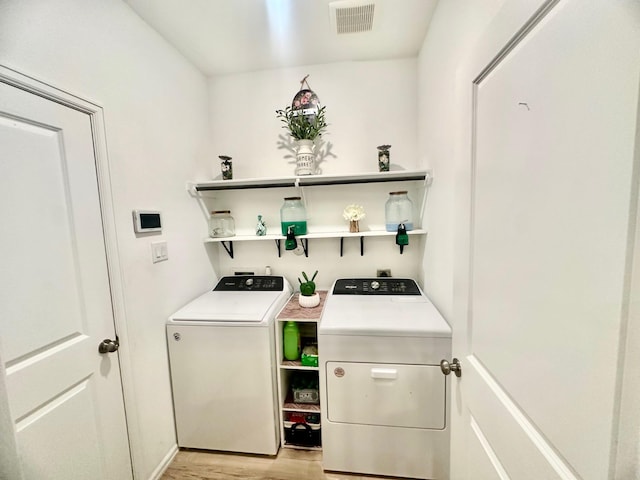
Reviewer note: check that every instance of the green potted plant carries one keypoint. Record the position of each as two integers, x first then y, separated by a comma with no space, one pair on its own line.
305,128
308,297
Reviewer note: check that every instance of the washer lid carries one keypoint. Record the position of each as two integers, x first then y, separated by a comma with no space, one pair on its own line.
389,315
221,306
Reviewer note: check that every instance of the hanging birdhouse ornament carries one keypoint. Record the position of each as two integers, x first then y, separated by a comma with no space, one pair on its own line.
306,102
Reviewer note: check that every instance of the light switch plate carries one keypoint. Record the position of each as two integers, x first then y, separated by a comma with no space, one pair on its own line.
159,252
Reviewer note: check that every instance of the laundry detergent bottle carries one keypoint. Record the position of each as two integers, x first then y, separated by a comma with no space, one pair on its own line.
291,337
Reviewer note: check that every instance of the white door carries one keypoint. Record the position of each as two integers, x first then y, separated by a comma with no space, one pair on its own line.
549,245
64,397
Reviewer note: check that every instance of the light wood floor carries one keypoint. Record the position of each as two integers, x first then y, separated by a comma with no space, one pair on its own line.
290,464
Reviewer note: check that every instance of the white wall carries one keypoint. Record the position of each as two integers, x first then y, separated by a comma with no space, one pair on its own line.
156,115
367,104
454,28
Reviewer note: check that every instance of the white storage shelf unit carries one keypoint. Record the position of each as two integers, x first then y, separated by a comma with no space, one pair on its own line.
307,320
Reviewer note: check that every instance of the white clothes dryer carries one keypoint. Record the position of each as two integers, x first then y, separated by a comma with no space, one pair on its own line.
222,358
385,399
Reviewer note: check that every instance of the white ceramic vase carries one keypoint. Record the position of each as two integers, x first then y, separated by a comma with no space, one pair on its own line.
309,301
305,158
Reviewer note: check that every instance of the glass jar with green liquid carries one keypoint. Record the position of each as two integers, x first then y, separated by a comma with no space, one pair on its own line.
293,214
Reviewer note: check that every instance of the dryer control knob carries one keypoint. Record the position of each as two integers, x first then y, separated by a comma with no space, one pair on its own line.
375,285
249,282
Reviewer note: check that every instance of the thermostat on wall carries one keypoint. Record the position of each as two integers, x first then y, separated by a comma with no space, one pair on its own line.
147,221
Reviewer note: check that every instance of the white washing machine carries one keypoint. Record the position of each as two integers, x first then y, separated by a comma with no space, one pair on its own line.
385,399
222,357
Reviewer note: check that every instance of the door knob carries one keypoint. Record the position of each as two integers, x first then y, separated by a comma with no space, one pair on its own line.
454,366
108,345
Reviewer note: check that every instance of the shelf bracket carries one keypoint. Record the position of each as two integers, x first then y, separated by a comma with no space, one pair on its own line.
191,189
229,247
361,246
278,247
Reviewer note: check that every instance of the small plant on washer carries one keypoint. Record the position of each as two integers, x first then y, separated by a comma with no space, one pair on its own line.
307,288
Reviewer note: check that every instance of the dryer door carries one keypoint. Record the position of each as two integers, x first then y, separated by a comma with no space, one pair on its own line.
393,395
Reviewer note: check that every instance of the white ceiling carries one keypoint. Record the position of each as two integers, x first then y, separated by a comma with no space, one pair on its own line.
232,36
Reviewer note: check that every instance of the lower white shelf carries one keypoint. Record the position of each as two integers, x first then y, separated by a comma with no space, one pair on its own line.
227,242
341,234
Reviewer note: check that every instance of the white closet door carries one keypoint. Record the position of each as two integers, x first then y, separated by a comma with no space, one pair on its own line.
64,397
552,205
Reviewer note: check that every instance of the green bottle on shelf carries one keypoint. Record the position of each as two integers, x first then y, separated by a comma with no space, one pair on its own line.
291,341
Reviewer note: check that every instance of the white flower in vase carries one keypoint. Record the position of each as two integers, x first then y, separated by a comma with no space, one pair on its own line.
353,213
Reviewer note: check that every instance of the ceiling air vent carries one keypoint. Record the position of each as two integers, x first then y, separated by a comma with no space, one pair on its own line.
352,16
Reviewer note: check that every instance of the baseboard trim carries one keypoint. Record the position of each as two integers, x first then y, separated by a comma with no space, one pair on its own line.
164,464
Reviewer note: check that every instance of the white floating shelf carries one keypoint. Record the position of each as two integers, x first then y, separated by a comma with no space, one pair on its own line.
312,180
309,181
227,242
341,234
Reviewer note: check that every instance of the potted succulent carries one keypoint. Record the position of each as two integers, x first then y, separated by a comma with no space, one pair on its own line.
308,297
304,128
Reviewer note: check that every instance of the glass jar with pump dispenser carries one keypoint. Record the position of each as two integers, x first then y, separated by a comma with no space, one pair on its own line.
221,224
293,214
397,210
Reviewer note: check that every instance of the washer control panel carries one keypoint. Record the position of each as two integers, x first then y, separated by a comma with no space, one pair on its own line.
375,286
241,283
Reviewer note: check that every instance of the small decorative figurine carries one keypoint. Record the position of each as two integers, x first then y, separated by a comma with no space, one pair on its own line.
226,167
261,227
383,158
